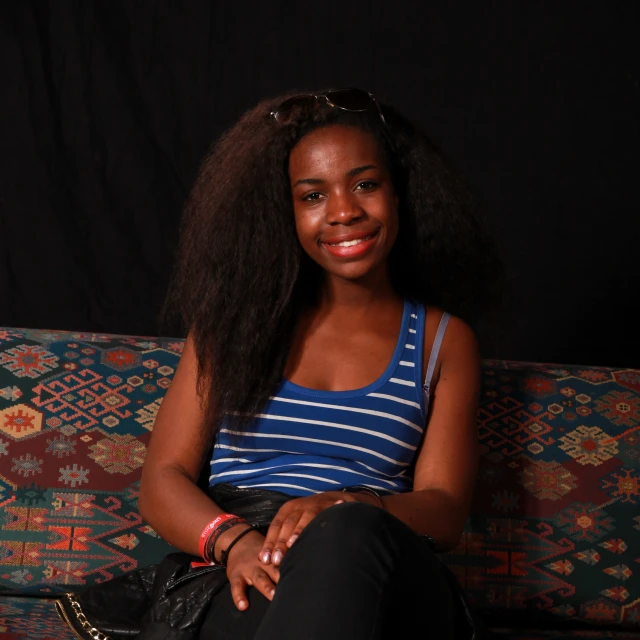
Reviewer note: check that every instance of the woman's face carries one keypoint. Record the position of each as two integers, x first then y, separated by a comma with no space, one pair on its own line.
346,209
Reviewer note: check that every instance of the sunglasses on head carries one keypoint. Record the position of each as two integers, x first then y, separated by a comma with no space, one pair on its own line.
355,100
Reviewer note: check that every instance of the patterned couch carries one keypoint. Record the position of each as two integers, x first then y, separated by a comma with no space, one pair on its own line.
551,550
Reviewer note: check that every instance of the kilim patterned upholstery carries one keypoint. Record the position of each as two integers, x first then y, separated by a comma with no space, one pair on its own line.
554,532
553,541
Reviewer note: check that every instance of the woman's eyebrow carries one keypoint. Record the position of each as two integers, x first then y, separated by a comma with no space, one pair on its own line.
357,170
308,181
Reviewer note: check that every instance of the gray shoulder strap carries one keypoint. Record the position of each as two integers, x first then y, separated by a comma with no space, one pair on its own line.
436,348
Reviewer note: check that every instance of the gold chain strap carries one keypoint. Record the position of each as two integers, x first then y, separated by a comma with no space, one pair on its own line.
82,619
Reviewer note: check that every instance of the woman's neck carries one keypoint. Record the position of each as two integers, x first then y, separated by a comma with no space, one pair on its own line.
339,296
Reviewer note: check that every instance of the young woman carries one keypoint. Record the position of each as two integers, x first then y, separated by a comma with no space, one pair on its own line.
330,267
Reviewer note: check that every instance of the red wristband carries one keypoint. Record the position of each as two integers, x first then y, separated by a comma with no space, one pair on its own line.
206,532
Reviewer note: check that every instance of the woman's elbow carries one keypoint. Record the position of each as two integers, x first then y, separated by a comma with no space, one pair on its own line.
449,542
142,505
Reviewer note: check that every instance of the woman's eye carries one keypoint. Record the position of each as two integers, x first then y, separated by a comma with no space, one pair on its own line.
312,196
367,184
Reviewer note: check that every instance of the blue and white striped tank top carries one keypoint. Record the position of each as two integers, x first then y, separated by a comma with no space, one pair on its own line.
307,441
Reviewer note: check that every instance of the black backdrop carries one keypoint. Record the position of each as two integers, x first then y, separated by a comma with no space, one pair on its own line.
108,107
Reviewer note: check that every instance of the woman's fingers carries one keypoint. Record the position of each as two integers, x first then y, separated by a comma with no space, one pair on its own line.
271,550
264,584
260,580
306,518
244,569
289,522
239,592
272,571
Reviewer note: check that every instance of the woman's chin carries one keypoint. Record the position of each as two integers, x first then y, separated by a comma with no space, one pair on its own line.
357,271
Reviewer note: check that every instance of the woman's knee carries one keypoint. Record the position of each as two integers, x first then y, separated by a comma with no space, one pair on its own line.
361,538
353,525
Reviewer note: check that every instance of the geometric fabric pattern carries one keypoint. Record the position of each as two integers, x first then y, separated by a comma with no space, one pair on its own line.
76,412
554,529
31,619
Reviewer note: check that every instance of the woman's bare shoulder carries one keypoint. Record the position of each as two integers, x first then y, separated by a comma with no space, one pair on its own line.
459,341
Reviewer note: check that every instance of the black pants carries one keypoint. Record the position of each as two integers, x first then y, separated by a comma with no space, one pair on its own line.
356,572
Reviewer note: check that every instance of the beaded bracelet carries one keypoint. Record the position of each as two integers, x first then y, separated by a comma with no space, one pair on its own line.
224,555
216,533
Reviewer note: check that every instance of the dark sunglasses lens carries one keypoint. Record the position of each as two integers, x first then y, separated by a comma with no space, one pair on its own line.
283,113
350,99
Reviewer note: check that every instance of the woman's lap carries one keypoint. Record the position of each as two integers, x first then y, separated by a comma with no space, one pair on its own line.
355,572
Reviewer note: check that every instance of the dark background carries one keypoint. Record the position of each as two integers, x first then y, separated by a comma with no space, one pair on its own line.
108,107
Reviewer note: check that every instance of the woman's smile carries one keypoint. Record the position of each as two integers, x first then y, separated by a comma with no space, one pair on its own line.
351,245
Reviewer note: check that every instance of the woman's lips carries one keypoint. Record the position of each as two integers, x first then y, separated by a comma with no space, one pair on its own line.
361,246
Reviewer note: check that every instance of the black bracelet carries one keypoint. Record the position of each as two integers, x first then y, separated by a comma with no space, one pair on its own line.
210,544
225,554
364,489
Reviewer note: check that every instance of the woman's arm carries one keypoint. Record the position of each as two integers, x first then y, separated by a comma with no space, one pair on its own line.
170,500
447,462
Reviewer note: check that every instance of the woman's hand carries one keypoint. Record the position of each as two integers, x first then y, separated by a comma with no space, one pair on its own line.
293,517
244,569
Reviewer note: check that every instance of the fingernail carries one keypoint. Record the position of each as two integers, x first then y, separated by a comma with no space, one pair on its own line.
265,557
242,604
292,539
339,501
277,557
273,592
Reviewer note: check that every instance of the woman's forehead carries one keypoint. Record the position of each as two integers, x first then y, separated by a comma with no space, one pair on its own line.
332,145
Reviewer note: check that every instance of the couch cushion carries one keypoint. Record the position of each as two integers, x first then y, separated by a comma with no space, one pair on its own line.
555,522
31,619
554,528
76,411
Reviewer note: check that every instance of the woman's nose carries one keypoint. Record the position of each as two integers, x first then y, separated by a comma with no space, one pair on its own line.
342,208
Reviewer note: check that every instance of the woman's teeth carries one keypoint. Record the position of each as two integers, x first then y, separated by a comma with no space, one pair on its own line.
351,243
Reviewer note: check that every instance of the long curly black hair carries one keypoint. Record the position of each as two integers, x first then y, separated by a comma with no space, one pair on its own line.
241,277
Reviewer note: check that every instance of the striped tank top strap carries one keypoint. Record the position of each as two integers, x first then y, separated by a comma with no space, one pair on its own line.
436,349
